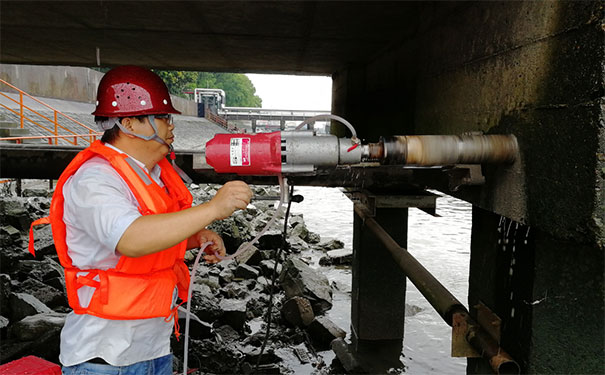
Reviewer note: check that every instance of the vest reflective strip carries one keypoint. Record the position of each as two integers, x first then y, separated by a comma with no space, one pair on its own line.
137,168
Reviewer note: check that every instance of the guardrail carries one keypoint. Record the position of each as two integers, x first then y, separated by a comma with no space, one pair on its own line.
54,137
54,123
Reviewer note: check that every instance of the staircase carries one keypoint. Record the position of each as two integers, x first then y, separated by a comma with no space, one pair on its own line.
20,123
11,129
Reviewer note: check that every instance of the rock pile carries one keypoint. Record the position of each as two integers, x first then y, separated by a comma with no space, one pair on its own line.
229,303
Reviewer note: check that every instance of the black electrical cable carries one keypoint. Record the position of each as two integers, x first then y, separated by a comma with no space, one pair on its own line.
272,292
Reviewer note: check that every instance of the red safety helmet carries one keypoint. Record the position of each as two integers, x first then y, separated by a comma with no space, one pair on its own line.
132,91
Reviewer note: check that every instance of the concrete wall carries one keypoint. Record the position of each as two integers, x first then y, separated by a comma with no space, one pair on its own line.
67,83
533,69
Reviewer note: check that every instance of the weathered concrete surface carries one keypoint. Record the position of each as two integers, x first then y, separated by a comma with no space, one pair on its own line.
534,70
67,83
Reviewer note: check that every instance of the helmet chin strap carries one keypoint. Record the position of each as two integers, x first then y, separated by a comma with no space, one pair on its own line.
157,138
154,136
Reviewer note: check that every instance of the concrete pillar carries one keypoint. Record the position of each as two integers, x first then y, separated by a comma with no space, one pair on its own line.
378,301
253,126
547,291
282,124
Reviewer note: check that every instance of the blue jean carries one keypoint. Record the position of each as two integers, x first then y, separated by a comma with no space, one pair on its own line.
158,366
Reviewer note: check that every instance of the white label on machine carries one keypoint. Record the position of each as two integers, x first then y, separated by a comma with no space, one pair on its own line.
240,152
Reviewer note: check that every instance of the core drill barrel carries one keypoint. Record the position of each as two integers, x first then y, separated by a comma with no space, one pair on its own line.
432,150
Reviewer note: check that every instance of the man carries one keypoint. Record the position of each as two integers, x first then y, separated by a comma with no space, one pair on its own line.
122,220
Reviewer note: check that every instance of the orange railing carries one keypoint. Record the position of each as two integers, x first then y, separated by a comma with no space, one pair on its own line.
89,137
53,137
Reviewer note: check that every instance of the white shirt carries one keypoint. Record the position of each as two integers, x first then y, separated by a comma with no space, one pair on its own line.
98,209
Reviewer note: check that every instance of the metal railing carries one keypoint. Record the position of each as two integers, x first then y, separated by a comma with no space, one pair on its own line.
54,128
249,113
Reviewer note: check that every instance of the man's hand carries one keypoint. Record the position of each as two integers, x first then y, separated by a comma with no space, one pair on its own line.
234,195
217,246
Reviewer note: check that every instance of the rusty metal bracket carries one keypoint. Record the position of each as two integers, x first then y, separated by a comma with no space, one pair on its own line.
488,321
465,175
422,200
460,346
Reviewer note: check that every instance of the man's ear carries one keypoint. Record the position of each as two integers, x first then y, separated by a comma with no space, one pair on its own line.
128,123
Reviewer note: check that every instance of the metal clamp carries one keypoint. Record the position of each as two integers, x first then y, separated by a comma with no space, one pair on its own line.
465,175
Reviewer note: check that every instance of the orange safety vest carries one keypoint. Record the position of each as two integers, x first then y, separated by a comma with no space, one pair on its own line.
137,288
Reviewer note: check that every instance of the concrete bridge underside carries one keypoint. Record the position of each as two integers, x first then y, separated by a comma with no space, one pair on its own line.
533,69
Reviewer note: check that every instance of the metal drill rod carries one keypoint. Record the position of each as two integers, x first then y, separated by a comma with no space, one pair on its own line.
441,299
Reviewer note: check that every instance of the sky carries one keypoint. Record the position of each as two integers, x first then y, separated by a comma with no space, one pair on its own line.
293,92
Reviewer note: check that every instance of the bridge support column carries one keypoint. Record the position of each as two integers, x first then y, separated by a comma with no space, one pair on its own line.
253,126
282,124
378,301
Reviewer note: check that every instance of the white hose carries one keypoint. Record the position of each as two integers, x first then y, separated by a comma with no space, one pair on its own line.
197,260
283,192
329,117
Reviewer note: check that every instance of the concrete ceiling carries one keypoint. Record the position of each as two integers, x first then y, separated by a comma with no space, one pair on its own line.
305,37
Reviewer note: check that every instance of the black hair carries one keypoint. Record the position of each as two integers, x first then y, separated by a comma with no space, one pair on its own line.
112,134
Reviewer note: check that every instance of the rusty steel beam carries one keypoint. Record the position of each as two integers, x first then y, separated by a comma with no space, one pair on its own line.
448,306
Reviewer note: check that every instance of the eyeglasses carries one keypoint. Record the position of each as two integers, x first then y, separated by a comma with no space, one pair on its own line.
168,118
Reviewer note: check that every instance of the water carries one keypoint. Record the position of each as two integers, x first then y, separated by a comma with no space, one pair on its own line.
441,244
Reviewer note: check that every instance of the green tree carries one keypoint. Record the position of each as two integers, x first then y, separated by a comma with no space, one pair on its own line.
177,81
239,90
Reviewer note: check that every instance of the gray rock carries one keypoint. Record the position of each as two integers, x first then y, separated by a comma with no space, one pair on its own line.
204,304
263,285
300,231
226,334
202,290
212,281
10,231
23,305
323,331
43,241
244,271
313,238
3,322
337,257
251,256
48,295
35,326
235,290
298,279
57,283
53,269
226,276
298,311
234,313
252,354
411,310
14,213
345,356
267,267
272,240
5,292
198,329
39,192
330,245
296,219
45,346
297,244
